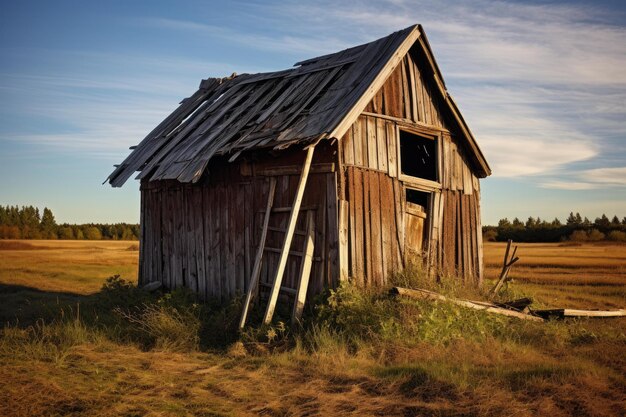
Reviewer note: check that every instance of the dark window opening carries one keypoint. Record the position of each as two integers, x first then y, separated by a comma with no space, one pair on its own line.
418,156
417,197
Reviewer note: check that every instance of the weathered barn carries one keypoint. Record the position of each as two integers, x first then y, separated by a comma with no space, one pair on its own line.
346,166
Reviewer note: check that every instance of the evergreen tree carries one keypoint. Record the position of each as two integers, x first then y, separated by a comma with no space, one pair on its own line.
504,223
602,221
615,221
48,224
571,219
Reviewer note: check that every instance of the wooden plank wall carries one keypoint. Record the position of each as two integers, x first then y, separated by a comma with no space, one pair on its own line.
204,236
368,155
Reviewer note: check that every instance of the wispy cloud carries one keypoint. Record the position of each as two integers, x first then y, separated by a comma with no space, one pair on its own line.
319,43
591,179
541,85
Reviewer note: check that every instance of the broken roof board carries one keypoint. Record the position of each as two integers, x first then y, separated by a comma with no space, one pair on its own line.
317,100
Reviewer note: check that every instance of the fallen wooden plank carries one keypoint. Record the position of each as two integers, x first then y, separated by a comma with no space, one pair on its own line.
483,306
569,312
519,304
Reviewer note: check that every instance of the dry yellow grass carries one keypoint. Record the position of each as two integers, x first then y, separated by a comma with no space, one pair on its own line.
556,369
67,266
583,276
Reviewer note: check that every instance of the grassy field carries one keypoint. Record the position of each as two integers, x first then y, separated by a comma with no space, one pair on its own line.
120,352
566,275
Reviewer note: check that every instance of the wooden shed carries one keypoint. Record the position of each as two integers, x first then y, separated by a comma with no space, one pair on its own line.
346,166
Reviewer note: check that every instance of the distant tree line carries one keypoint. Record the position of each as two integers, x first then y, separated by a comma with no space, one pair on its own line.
27,222
575,228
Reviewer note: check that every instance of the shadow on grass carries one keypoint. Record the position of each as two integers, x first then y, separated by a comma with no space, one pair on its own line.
24,305
124,313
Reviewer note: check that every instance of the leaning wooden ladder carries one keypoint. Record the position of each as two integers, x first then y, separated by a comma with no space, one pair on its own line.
307,253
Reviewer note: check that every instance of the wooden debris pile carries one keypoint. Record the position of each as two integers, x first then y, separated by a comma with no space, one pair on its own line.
518,308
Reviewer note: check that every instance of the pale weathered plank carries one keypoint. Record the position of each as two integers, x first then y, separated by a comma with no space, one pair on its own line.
305,269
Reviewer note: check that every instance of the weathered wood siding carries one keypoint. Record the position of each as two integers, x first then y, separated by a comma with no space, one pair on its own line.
205,236
369,181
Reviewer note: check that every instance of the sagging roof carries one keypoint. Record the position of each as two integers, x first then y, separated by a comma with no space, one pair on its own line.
318,99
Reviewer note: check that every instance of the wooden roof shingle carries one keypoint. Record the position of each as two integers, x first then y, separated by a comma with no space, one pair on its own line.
318,99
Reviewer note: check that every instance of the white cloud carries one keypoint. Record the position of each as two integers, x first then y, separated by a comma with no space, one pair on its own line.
320,43
541,86
567,185
591,179
607,176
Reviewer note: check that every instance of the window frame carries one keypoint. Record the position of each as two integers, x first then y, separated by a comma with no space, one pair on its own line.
420,184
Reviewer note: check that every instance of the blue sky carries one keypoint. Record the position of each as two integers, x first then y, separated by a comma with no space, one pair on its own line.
541,84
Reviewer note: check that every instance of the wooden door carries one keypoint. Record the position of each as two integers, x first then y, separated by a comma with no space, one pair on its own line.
414,228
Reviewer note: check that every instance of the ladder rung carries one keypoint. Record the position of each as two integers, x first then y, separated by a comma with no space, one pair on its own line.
284,289
291,252
288,209
281,230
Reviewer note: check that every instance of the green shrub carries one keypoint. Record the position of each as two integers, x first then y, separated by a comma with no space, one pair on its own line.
579,236
617,236
595,235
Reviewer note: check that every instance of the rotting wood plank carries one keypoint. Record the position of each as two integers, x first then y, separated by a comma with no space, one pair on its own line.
367,229
569,312
479,237
321,168
376,240
359,227
386,227
332,235
381,140
392,151
343,240
357,142
351,224
421,294
399,213
269,313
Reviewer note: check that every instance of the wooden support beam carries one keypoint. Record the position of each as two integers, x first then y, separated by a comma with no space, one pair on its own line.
305,268
343,240
323,168
291,227
259,254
